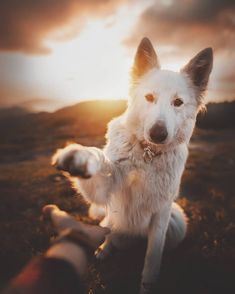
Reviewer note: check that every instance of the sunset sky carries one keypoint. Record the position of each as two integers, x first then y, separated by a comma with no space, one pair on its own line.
59,52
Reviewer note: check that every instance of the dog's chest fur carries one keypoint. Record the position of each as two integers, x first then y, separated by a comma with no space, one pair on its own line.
142,187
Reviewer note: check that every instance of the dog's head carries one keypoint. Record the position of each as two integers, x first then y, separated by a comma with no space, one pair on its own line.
163,104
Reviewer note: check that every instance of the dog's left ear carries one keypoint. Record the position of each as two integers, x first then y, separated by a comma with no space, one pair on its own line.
145,59
199,68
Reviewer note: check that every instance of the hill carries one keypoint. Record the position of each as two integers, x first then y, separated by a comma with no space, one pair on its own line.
217,116
43,132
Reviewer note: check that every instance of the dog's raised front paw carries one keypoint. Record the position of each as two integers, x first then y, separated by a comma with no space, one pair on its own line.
77,160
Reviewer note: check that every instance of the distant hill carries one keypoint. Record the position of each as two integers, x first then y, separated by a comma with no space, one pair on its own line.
12,112
217,116
91,118
84,113
24,134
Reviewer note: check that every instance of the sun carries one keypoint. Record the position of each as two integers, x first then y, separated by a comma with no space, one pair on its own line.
96,64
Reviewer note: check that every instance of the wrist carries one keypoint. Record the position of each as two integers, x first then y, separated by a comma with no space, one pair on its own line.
77,237
70,252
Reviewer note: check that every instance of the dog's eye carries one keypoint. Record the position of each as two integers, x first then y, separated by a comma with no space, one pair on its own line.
177,102
149,97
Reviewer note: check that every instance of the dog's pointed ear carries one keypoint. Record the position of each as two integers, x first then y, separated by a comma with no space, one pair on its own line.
145,59
199,68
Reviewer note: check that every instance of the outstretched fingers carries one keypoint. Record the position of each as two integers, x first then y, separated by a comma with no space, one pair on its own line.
61,220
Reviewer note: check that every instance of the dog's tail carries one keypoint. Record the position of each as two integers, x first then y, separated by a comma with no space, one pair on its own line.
177,227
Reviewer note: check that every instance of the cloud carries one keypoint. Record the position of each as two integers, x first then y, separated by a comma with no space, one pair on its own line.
24,24
181,28
190,11
188,24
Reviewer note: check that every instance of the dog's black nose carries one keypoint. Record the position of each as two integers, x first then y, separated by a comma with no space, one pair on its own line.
158,133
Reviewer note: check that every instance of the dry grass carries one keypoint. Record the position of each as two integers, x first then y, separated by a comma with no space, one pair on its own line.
205,261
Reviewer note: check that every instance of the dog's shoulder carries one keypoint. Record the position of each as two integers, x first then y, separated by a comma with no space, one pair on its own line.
117,131
119,139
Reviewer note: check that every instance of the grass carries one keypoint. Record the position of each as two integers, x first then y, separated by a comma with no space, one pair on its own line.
203,263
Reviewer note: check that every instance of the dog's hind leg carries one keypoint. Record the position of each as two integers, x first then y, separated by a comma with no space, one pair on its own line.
106,248
114,241
166,228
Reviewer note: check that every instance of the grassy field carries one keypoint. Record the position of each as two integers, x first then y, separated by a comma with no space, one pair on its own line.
203,263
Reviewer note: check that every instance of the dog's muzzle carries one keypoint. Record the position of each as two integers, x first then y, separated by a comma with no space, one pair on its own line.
158,133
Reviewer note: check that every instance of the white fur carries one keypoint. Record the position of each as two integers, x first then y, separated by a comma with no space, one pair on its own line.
138,196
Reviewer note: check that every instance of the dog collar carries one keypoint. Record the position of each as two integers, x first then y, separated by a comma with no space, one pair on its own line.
149,153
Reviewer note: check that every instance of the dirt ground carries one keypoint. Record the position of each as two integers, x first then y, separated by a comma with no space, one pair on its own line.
203,263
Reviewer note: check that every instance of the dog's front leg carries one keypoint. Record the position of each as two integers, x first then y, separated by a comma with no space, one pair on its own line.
156,240
92,168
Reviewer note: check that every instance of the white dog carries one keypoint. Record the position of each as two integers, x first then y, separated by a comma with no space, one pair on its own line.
136,177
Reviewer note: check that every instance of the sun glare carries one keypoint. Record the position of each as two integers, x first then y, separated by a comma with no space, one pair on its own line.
94,65
87,53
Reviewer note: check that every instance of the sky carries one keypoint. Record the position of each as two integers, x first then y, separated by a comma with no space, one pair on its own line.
59,52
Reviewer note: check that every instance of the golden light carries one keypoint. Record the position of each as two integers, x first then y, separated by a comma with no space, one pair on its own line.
94,65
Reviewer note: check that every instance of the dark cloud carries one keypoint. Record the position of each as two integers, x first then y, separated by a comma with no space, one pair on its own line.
25,23
190,11
188,24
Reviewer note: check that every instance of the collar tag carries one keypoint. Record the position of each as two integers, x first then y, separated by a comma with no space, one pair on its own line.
148,154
